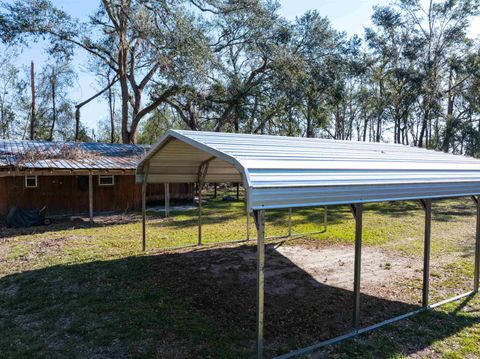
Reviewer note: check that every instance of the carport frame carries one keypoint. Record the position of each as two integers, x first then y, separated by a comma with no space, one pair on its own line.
425,188
357,211
200,241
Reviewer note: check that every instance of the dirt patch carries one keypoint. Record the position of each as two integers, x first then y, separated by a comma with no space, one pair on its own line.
308,290
329,266
335,266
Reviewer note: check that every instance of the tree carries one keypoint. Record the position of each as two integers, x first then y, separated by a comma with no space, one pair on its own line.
9,86
139,41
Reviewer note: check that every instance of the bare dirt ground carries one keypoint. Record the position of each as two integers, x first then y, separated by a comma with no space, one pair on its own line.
335,266
308,290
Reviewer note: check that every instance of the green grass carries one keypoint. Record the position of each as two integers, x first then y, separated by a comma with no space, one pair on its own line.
75,291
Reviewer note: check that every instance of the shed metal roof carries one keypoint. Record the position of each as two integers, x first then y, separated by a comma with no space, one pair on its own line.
281,172
47,155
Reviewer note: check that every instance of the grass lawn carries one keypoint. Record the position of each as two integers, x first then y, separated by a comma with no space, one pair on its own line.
73,291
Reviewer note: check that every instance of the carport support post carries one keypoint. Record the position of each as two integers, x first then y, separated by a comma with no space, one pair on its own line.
427,206
167,200
357,210
144,205
325,218
477,247
202,173
290,222
200,214
248,215
90,197
260,224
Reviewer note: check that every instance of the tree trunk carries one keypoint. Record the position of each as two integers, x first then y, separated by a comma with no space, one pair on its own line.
33,114
309,120
111,105
122,77
53,82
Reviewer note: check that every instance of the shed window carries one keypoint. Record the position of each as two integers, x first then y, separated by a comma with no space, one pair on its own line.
31,182
106,181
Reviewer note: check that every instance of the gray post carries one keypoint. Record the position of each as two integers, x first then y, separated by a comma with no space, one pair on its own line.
289,222
248,215
200,214
357,210
427,206
167,200
202,174
260,223
90,197
325,218
144,206
477,248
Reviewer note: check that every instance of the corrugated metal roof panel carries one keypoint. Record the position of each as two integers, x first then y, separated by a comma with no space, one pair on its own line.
104,156
293,172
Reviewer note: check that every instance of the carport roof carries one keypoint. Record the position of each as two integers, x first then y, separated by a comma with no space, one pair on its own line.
282,172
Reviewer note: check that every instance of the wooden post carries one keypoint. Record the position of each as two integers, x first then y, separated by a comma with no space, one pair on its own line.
90,197
260,222
238,191
215,191
146,170
427,206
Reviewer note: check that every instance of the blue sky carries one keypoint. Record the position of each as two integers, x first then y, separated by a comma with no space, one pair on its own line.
346,15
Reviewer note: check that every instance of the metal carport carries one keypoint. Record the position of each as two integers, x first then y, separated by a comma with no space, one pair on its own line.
285,172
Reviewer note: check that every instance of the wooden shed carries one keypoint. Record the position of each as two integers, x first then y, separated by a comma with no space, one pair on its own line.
76,178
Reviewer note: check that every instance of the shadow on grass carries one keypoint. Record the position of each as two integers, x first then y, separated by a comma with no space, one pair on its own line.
190,304
62,224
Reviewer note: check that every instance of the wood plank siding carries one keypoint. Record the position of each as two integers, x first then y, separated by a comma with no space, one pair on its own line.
68,195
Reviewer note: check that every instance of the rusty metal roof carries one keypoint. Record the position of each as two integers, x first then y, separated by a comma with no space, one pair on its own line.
42,155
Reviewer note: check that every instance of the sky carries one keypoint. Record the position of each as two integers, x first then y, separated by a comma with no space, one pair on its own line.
351,16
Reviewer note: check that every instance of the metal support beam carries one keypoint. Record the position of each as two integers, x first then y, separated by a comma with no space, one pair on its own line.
260,224
477,247
289,222
357,210
167,200
200,214
144,206
90,197
355,333
427,206
248,215
202,174
325,218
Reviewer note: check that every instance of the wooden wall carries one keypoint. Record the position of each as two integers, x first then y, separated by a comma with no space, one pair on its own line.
66,196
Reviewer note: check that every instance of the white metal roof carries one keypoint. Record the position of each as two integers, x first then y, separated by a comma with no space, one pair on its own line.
280,172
